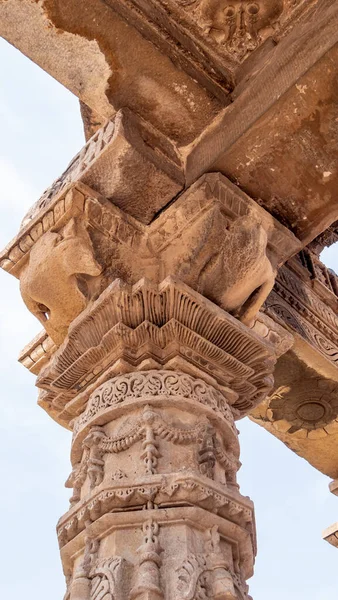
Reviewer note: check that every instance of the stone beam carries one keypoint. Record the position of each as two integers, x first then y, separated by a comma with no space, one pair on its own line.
331,533
291,59
255,102
86,51
270,140
302,411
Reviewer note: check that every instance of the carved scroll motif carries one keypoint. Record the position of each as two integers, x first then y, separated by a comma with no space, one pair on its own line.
152,384
107,579
207,575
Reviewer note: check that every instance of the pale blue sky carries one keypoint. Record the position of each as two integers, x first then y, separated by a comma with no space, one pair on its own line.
41,130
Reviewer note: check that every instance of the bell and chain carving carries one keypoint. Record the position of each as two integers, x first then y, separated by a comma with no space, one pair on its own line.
148,430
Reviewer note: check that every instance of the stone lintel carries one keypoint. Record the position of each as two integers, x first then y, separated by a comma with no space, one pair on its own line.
266,140
87,52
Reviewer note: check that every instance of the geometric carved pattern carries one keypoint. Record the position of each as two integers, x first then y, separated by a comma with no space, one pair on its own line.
308,410
161,322
294,303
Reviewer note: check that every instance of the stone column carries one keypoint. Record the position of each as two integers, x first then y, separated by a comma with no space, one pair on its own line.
152,399
150,375
158,512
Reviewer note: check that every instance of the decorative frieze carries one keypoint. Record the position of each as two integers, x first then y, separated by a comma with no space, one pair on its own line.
227,31
171,490
210,552
297,302
153,385
170,324
149,428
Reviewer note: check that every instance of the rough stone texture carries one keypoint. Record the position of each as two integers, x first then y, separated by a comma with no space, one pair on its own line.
277,138
96,63
150,276
128,162
248,90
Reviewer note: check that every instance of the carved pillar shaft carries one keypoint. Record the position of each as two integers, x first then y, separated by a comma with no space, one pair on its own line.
166,504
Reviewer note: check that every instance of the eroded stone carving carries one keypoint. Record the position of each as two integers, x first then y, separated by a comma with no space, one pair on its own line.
239,25
207,575
306,305
148,584
237,275
107,579
152,374
307,407
151,384
150,429
53,284
214,238
107,157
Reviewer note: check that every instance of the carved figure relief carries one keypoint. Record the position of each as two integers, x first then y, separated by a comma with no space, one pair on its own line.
228,262
149,429
214,238
241,25
54,282
77,477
